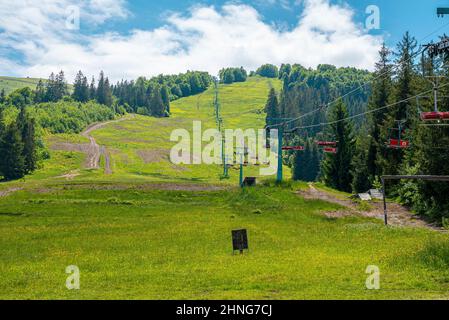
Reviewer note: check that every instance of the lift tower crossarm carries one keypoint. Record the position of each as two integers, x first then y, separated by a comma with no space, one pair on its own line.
442,11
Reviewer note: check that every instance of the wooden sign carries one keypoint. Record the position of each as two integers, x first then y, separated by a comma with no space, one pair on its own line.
239,240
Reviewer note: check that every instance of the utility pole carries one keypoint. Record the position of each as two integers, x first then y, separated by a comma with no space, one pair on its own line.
220,125
280,141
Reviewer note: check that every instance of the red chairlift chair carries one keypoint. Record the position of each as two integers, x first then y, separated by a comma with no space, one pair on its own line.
435,116
293,148
396,141
327,143
330,150
398,144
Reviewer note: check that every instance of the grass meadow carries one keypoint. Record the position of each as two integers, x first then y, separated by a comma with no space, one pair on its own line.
153,230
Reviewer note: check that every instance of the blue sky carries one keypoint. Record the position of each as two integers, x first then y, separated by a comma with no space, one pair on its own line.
131,38
397,16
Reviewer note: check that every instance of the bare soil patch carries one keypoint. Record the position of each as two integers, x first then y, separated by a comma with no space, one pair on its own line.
153,156
397,214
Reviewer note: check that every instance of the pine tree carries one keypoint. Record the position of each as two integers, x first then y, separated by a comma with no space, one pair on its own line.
107,93
306,163
156,103
39,95
26,126
429,155
92,90
81,88
165,98
100,89
390,161
50,92
61,86
360,171
380,97
337,167
300,161
2,96
272,108
12,162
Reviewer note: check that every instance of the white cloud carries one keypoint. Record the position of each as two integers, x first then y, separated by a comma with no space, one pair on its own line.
206,38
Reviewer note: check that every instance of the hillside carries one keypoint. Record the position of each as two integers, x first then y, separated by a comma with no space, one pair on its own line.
137,149
10,83
139,227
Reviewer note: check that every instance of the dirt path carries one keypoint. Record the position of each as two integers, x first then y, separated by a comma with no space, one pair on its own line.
397,214
93,150
7,192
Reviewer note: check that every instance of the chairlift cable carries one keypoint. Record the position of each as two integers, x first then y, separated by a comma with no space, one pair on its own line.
366,112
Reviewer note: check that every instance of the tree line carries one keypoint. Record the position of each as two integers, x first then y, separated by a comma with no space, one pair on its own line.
364,152
231,75
153,96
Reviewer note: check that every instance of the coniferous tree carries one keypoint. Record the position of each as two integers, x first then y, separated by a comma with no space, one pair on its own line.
306,163
337,167
81,88
156,103
26,126
104,92
390,161
92,90
61,86
285,70
12,162
56,87
107,93
272,108
100,89
165,98
380,97
39,95
429,154
2,96
360,171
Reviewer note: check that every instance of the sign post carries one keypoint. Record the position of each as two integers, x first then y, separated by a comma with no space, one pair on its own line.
239,240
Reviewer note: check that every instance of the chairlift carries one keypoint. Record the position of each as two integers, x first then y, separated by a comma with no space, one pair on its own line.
330,150
395,135
327,143
293,148
435,116
329,147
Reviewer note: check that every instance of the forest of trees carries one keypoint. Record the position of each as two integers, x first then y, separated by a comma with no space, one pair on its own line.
363,152
268,71
231,75
25,112
57,107
153,96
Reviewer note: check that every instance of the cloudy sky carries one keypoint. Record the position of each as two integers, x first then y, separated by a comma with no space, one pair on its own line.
135,38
